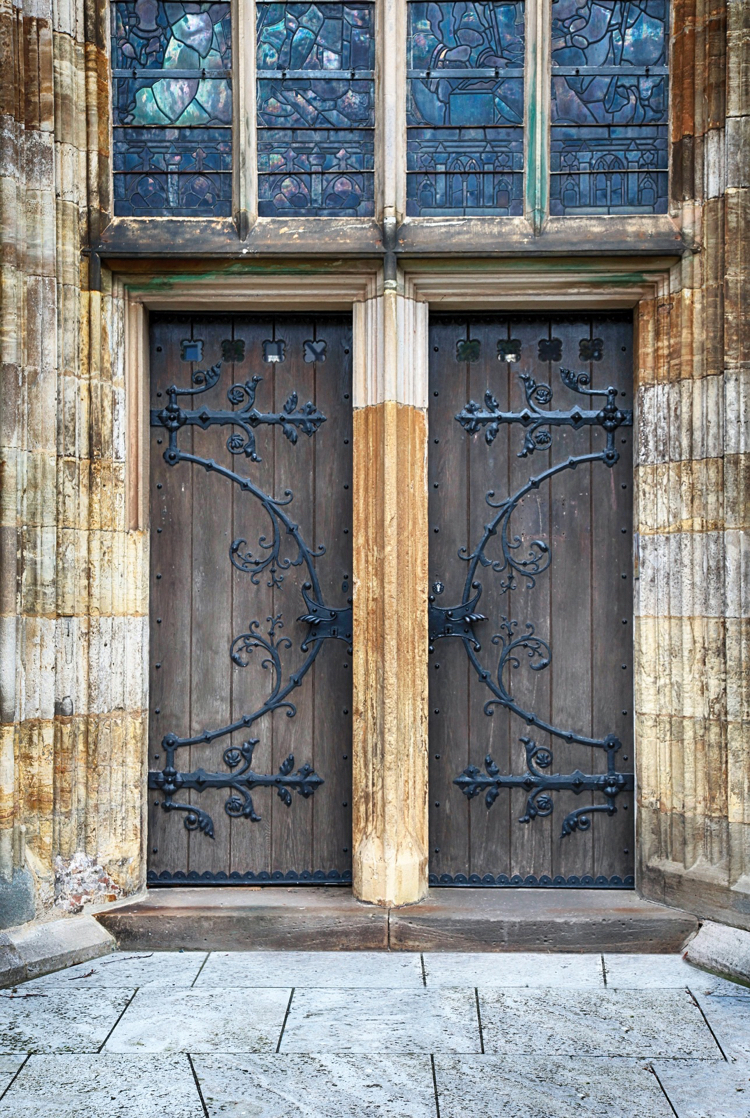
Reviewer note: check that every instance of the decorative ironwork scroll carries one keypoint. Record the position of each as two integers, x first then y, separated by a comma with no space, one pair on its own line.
172,105
323,622
610,132
465,107
316,113
516,643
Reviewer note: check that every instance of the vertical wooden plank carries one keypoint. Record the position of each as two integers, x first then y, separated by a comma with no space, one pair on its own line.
210,698
291,827
531,842
331,683
570,583
250,840
449,668
171,495
489,829
612,598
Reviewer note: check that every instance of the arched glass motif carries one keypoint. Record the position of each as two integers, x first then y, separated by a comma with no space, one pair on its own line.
315,109
465,108
172,107
609,127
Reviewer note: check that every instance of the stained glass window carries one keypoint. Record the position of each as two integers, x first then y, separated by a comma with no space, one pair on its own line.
609,131
465,108
316,110
172,103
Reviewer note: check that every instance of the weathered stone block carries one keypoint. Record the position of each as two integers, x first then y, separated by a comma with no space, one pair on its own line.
61,943
723,949
17,905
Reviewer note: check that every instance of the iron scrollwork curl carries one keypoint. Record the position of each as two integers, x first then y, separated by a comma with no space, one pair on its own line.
323,621
516,644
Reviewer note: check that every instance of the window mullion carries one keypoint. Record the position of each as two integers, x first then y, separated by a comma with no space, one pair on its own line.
390,121
537,99
245,133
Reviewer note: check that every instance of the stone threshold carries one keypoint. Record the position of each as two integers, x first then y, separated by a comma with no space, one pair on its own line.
328,918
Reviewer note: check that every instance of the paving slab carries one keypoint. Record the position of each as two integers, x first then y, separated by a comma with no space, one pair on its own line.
705,1089
59,1020
9,1066
517,968
487,1086
729,1019
123,968
353,969
103,1086
327,1086
443,1020
660,972
613,1023
219,1020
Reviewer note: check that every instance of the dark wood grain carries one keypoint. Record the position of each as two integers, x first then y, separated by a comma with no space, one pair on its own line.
581,605
448,670
201,602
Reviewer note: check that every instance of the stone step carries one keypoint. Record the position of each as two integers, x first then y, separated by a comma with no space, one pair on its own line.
328,918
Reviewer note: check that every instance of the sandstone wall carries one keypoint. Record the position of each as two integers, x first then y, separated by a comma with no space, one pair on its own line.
72,605
693,473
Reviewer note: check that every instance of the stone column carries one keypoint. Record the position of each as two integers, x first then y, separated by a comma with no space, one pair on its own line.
693,466
390,836
72,616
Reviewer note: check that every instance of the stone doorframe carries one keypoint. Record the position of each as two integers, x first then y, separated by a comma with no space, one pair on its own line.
390,351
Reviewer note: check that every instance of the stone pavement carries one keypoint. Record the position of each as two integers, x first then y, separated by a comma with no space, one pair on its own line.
375,1035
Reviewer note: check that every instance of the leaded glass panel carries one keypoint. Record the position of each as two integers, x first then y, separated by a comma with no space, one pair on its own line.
172,105
316,109
465,108
609,125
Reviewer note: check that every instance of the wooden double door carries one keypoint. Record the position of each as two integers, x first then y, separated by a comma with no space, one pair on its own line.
531,566
250,599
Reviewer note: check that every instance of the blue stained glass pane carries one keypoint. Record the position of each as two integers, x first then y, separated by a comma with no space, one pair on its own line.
463,102
467,171
465,108
315,37
465,35
316,173
627,33
172,92
315,109
321,195
609,133
156,35
315,104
